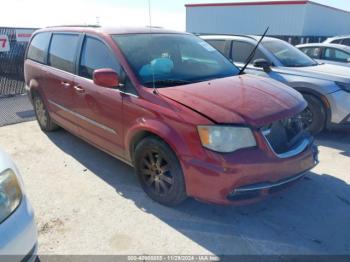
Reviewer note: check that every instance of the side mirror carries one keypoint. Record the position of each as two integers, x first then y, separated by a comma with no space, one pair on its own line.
107,78
264,64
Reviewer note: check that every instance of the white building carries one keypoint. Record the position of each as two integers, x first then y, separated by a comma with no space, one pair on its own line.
285,18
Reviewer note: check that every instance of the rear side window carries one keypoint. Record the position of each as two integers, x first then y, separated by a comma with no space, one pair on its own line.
313,52
62,51
346,42
96,55
38,47
219,45
241,51
337,41
336,55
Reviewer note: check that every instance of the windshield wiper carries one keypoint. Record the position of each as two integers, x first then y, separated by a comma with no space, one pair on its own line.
168,82
250,57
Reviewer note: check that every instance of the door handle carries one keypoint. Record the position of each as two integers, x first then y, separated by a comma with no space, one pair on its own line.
79,89
65,84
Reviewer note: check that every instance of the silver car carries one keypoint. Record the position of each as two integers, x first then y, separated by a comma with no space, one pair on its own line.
342,40
18,232
325,87
327,53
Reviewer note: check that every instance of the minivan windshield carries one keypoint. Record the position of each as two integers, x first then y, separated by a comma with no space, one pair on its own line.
167,60
288,55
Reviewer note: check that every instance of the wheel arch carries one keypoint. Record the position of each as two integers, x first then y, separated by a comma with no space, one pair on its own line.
33,92
136,139
34,88
157,129
323,99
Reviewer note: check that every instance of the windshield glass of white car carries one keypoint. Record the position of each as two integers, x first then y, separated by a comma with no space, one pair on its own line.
287,54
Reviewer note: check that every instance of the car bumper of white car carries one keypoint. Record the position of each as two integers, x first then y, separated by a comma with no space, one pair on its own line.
18,235
340,107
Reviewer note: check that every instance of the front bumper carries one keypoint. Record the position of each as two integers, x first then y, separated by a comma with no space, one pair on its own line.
19,234
262,189
221,179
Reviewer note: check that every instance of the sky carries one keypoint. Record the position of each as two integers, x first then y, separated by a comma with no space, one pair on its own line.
166,13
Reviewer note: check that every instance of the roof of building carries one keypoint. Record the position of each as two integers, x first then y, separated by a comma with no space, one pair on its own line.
300,2
259,3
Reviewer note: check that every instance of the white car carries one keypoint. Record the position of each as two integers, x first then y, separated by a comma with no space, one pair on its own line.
327,53
18,232
342,40
325,87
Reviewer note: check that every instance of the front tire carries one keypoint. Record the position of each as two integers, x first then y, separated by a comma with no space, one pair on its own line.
42,115
159,172
314,116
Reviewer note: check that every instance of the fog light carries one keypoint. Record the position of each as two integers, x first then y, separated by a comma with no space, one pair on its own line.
236,196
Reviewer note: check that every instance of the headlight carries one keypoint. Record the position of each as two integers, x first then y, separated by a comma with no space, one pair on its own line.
226,139
10,194
344,86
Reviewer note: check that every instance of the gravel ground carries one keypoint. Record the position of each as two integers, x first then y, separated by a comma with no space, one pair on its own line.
87,202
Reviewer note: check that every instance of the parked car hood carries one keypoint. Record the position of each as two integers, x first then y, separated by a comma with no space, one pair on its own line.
329,72
245,99
332,62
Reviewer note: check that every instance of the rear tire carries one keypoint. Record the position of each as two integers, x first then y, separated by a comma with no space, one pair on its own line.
314,116
159,172
42,115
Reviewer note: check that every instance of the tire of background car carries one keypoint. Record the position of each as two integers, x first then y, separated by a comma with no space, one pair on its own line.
42,115
314,116
159,172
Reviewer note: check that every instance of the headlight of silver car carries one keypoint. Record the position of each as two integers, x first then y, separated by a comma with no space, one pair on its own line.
226,139
10,193
344,86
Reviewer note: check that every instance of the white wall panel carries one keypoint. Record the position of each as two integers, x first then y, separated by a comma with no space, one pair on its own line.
324,21
282,19
297,20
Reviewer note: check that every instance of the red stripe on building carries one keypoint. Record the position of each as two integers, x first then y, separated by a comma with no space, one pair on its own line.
250,3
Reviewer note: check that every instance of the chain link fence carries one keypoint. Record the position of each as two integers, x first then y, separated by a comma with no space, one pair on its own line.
13,44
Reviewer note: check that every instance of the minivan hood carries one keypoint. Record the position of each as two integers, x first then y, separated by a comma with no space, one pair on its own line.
336,73
244,99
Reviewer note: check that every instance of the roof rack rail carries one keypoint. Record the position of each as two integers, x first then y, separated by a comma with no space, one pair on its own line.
94,26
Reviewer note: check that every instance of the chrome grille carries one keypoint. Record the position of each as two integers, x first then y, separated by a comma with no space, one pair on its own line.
284,135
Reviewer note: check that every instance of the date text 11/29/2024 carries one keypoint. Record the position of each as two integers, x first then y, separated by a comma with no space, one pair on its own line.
174,258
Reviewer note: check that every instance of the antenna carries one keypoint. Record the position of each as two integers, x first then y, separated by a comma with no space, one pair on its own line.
250,57
150,15
155,91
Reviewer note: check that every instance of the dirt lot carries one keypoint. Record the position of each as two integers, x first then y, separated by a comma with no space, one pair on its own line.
86,202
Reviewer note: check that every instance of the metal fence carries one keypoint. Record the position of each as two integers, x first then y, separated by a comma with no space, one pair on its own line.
13,43
296,40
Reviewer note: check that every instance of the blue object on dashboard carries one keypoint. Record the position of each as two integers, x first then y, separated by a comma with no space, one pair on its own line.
159,66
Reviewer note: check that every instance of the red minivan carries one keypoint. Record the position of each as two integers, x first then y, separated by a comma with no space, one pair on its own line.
174,108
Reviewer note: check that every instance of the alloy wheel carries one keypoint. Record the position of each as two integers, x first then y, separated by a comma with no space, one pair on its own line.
306,118
156,173
40,112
